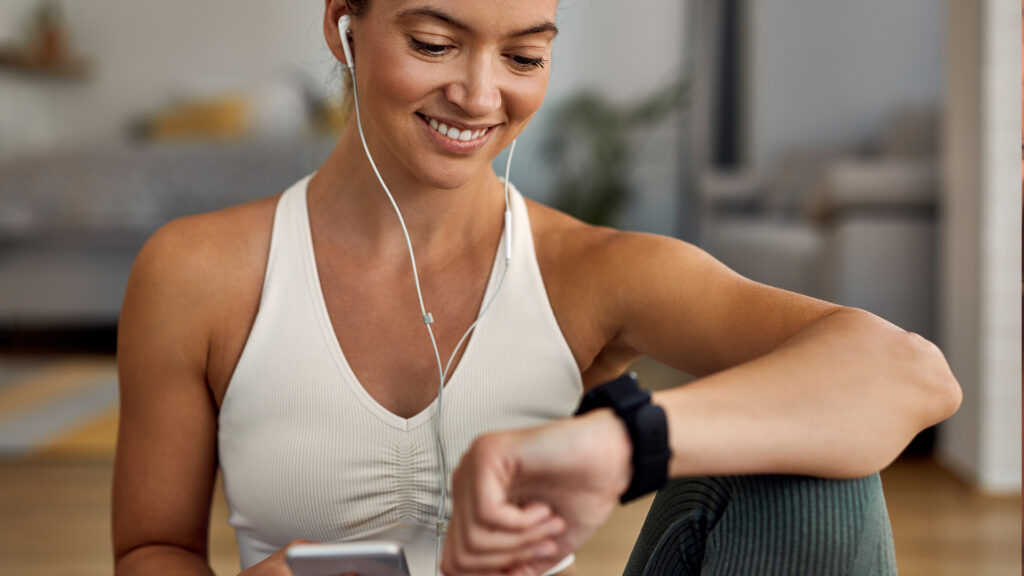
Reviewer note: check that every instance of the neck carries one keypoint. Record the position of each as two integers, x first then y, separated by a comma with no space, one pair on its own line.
440,220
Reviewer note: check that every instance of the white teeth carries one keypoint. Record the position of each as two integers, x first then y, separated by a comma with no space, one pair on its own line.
454,133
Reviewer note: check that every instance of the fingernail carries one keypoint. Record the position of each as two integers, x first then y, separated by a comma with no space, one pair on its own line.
553,527
544,550
540,512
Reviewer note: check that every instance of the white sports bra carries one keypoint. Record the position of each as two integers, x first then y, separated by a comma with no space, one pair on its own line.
307,453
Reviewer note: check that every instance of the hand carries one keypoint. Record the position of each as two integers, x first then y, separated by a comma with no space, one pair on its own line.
524,499
276,565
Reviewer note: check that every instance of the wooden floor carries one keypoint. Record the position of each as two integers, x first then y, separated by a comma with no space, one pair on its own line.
54,519
58,421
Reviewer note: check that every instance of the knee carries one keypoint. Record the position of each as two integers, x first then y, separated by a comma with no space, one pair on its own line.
790,522
824,526
841,506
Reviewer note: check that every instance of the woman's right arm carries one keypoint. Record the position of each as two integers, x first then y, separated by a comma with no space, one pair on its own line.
167,438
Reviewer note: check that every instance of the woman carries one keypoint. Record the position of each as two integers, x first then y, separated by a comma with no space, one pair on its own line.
283,339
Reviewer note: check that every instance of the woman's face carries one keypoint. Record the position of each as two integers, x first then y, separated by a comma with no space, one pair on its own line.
475,70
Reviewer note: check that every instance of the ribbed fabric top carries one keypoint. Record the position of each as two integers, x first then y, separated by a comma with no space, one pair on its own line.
307,453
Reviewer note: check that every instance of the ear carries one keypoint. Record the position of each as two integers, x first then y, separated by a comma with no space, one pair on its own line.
333,10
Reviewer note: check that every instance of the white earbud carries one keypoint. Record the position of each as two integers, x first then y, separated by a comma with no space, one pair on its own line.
343,23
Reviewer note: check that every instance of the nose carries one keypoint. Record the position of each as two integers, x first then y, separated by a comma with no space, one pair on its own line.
477,91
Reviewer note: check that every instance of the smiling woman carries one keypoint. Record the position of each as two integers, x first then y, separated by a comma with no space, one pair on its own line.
296,343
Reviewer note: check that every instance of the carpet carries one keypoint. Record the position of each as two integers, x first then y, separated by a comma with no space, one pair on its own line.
58,406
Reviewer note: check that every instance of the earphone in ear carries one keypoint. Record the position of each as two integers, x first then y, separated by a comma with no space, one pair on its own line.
343,23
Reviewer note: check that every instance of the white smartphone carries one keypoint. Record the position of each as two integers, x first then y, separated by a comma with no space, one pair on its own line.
369,558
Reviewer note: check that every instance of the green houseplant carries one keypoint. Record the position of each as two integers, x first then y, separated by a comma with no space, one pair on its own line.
587,145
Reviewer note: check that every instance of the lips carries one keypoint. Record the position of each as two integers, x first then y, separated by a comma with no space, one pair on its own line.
458,140
455,133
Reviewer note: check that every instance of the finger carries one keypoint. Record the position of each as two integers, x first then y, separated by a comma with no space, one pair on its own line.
493,508
533,568
524,570
474,553
488,480
461,562
483,540
537,511
280,554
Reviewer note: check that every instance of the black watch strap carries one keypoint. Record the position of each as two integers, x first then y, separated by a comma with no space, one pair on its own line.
648,431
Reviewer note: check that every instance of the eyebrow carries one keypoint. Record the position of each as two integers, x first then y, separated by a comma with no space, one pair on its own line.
539,28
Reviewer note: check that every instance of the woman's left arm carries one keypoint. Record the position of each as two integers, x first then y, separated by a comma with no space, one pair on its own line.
840,398
790,384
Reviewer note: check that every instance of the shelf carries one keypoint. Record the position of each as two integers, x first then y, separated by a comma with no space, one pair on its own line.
14,61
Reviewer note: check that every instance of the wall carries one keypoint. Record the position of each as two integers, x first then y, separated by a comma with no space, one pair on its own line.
981,307
825,74
147,53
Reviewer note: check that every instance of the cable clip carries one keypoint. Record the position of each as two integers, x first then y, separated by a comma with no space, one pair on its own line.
428,318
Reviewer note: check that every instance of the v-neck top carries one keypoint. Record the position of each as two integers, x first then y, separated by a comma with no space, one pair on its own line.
306,452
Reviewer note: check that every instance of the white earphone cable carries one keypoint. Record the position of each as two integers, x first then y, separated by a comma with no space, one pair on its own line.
428,319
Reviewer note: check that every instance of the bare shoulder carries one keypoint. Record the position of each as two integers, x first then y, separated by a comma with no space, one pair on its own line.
204,254
595,252
562,239
201,270
214,238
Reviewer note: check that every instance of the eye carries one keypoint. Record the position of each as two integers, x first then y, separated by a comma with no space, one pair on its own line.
433,50
525,63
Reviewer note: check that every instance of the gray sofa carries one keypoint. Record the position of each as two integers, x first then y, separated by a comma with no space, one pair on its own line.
71,222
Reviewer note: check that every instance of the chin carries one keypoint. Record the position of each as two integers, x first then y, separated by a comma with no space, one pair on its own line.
448,175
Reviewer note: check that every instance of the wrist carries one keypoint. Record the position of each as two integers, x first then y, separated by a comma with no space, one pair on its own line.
647,428
616,447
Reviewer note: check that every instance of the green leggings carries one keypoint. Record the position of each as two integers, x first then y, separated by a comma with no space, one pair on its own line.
771,525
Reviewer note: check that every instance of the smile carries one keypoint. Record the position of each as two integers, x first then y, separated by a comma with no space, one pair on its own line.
454,133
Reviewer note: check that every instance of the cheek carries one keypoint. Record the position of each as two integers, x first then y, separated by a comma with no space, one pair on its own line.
526,96
397,78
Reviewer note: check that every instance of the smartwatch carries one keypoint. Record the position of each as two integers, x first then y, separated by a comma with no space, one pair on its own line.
647,426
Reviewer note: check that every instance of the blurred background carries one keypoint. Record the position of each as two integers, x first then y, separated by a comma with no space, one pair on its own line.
862,152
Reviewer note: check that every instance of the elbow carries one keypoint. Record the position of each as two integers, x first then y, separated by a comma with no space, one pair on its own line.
927,394
939,392
953,396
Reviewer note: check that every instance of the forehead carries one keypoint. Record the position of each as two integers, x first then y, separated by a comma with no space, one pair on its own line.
499,17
